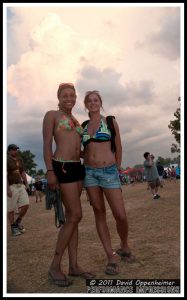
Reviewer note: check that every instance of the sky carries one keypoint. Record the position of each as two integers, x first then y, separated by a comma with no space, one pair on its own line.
132,54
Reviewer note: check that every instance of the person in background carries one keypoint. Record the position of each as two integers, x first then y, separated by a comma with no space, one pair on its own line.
102,165
168,174
177,169
38,190
64,168
160,170
151,174
17,184
173,174
32,189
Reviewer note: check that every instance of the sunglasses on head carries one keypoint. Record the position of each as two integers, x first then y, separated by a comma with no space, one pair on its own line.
66,83
92,92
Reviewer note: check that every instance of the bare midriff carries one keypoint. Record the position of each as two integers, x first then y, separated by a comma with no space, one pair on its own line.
99,155
68,145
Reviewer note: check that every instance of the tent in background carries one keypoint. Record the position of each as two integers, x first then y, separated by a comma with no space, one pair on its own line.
30,180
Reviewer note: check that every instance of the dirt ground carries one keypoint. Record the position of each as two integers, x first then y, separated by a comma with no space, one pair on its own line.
154,238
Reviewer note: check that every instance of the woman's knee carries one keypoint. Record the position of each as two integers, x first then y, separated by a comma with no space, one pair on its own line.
100,212
74,217
121,219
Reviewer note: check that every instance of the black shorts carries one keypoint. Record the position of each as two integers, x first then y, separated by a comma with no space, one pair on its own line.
67,172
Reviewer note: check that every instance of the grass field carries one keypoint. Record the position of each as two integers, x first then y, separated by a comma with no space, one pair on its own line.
154,238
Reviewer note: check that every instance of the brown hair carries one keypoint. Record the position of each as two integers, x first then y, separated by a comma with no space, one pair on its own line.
63,86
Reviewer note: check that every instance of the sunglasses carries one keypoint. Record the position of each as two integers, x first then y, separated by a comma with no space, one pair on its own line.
92,92
66,83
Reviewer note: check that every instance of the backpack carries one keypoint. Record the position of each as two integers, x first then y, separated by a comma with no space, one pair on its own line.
110,125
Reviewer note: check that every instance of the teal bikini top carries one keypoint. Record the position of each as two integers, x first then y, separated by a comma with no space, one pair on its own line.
103,134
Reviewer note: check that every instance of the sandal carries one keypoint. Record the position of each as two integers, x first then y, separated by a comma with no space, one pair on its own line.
85,275
111,269
127,256
60,282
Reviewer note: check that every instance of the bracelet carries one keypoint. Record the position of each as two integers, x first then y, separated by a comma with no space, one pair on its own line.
50,170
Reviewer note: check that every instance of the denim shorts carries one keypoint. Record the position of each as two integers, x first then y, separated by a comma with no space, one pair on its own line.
105,177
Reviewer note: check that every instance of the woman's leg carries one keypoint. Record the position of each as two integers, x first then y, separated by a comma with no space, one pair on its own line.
97,201
71,201
115,200
73,243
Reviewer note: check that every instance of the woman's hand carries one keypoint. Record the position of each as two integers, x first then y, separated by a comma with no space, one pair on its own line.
51,180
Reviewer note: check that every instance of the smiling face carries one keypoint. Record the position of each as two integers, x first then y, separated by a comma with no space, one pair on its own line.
93,102
67,98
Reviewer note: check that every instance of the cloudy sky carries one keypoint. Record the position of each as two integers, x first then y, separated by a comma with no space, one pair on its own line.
131,54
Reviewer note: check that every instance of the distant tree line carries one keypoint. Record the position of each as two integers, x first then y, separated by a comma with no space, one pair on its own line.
29,163
174,126
164,161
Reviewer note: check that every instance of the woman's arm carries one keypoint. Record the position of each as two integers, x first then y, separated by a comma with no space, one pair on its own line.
48,123
48,126
118,153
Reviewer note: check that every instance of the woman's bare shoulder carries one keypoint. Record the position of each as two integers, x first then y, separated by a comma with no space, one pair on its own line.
51,114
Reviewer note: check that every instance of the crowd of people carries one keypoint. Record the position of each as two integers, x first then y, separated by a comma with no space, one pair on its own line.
89,156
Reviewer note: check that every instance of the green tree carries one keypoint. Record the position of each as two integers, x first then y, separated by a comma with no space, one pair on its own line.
28,160
164,161
40,172
168,161
174,126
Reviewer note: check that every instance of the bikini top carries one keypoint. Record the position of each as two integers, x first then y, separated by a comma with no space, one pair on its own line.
69,123
103,134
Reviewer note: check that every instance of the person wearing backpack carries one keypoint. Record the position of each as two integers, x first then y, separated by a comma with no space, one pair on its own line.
102,159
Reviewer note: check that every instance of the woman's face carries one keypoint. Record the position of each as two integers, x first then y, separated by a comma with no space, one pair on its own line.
67,98
93,103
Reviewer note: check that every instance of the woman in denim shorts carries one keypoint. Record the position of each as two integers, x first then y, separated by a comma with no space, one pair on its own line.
102,179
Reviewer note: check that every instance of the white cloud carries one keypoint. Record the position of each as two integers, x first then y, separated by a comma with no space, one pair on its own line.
140,88
56,55
166,40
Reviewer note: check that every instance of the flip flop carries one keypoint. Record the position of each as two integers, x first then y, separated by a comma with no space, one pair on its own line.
111,269
85,275
60,282
125,255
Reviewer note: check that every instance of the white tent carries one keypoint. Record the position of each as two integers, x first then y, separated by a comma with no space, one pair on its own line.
30,179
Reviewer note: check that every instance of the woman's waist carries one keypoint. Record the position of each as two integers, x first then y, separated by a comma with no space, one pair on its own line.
104,167
62,158
98,157
98,162
69,155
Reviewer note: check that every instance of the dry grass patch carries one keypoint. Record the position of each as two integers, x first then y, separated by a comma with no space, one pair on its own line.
154,232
